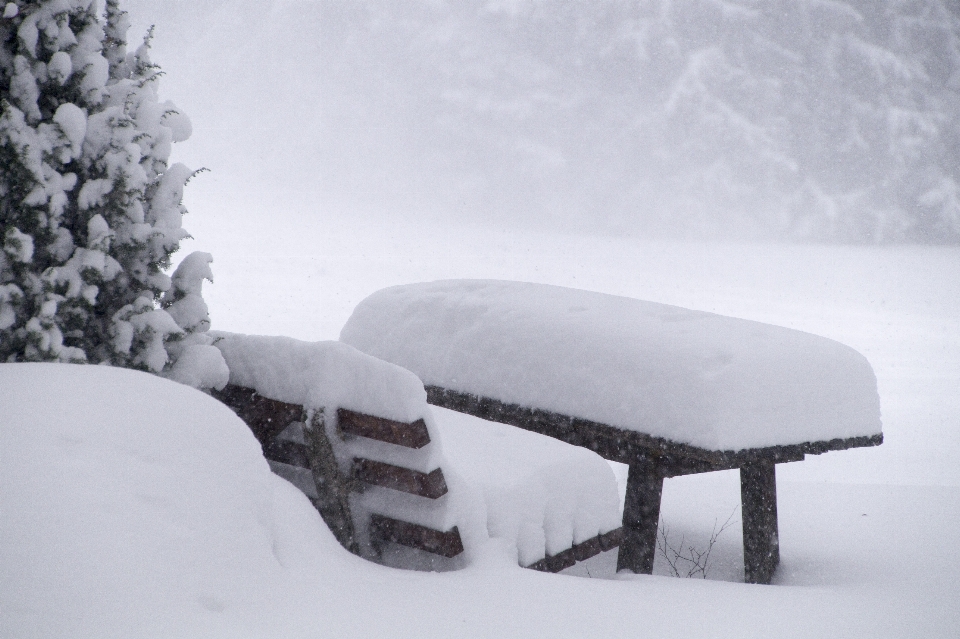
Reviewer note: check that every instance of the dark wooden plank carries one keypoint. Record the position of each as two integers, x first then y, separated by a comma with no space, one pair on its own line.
612,539
555,563
578,552
431,485
624,446
586,549
445,544
641,514
761,542
412,435
266,417
287,452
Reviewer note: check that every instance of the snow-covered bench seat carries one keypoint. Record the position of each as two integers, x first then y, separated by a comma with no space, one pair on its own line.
557,504
667,390
356,436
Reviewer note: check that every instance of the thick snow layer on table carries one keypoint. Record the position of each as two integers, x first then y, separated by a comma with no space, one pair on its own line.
540,494
691,377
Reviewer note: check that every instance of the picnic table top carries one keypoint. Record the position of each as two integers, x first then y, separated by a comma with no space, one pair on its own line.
690,382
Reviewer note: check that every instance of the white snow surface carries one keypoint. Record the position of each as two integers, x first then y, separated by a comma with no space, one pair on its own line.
200,366
136,507
539,493
132,505
688,376
322,374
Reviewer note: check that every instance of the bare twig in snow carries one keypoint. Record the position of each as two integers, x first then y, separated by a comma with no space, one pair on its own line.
686,560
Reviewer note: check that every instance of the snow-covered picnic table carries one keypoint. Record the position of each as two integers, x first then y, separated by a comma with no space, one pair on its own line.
667,390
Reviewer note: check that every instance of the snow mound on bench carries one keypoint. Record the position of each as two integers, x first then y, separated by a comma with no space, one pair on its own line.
322,374
541,494
688,376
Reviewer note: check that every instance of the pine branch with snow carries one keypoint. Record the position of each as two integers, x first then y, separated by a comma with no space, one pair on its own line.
91,210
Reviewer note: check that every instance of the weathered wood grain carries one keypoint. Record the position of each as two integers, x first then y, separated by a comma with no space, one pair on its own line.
412,435
761,536
579,552
266,417
443,543
621,445
430,485
641,514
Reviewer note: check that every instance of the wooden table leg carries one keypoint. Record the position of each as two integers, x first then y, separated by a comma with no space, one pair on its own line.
641,513
761,543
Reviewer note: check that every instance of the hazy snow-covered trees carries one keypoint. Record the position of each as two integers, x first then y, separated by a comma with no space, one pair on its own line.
90,210
827,120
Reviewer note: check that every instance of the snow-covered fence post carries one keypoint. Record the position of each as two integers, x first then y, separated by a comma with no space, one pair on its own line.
333,486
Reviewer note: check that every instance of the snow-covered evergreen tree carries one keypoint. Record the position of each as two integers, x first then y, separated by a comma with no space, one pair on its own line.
90,209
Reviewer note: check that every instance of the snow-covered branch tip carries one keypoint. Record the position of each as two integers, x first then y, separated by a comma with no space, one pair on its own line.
202,169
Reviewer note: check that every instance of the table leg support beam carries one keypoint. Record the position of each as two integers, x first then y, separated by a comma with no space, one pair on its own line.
761,542
641,513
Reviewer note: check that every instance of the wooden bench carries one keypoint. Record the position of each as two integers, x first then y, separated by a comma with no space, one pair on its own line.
298,449
691,392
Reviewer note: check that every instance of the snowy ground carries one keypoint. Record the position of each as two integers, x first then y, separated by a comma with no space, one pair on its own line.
869,540
870,544
169,523
141,539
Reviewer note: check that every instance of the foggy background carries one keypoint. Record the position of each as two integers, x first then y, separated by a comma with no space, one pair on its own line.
811,120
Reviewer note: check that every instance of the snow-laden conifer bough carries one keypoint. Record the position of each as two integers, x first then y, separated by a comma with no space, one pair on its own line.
667,390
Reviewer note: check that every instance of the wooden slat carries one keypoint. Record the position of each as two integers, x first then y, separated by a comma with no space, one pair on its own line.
579,552
333,488
431,485
611,540
287,452
445,544
555,563
265,417
412,435
617,444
